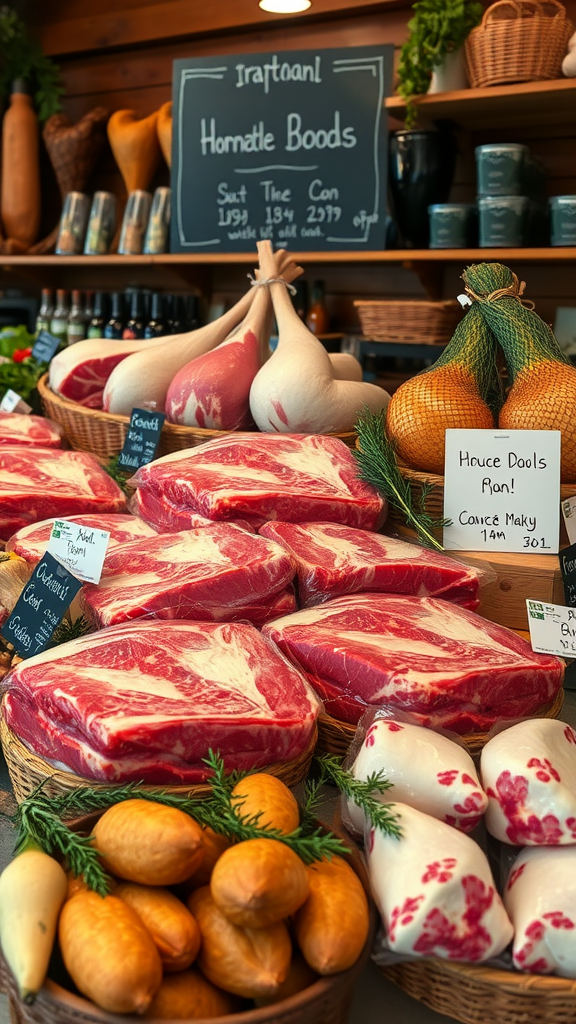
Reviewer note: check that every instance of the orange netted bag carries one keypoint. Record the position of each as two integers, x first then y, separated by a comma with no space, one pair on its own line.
457,391
542,395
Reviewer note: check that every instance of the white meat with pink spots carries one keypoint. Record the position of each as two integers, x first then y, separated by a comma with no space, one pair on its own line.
540,898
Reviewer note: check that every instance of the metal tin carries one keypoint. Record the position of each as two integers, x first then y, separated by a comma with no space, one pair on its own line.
135,223
158,222
101,225
503,220
501,169
73,224
563,220
452,225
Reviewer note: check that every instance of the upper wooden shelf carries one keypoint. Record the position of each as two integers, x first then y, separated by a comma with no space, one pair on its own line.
499,106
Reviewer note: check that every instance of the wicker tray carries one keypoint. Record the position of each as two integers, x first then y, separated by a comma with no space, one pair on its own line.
484,995
518,41
335,737
327,1001
410,322
103,434
27,771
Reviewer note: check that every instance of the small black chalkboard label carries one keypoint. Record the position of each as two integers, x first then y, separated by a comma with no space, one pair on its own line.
45,347
142,439
567,558
40,607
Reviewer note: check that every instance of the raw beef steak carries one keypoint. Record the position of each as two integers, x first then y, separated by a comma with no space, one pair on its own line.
419,654
215,573
29,430
333,560
147,700
36,483
31,541
166,518
293,477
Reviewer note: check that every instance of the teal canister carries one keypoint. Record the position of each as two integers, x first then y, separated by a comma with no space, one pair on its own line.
503,221
501,169
452,225
563,220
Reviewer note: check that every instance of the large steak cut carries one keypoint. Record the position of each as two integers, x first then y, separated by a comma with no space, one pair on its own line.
445,664
164,517
216,572
31,541
16,428
333,560
36,483
147,701
293,477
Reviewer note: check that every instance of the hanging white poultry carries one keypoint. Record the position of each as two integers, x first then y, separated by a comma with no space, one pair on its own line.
296,391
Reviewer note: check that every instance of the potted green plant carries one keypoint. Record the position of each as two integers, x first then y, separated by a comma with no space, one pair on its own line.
22,57
437,30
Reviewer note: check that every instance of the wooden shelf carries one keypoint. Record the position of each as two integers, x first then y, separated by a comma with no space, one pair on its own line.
498,106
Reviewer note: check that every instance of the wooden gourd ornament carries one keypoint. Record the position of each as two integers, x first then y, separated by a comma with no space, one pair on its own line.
164,127
135,146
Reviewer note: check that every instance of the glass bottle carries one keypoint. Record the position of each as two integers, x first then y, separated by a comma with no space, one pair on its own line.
115,325
156,326
45,312
88,307
192,312
317,317
99,316
175,315
76,330
136,322
59,318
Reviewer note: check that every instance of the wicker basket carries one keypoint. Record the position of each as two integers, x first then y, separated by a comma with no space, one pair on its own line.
327,1001
335,737
103,434
518,41
475,994
27,771
409,322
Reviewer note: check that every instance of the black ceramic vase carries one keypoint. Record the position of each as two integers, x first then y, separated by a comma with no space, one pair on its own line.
421,170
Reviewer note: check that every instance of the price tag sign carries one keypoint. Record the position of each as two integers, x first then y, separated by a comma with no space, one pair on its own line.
502,490
45,347
81,549
569,515
142,439
568,569
40,607
12,402
552,628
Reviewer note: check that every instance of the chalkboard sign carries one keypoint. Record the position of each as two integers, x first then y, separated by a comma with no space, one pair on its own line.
45,347
142,439
40,607
289,146
568,569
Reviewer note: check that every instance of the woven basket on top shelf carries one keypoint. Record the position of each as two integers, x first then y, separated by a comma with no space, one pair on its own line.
326,1001
335,737
476,994
103,434
28,770
411,322
518,41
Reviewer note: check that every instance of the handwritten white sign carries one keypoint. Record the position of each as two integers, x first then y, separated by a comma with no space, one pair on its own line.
12,402
502,490
552,628
81,549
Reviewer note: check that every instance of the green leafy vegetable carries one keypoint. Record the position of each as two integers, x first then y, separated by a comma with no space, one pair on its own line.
378,466
22,57
22,378
13,338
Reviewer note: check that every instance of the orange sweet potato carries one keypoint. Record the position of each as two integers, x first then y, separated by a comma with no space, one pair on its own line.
299,977
259,882
267,794
190,996
171,925
142,841
332,926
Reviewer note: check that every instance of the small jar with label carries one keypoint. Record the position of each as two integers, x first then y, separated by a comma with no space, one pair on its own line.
501,169
563,220
503,221
452,225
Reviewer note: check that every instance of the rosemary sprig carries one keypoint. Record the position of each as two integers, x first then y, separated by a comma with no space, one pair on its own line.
120,476
378,466
362,793
70,631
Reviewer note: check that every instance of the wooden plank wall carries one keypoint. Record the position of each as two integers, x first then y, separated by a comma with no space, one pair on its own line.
119,53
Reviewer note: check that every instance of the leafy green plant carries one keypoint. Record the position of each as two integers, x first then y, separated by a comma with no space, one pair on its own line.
438,27
22,57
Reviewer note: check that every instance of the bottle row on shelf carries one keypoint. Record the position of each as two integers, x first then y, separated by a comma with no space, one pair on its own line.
115,315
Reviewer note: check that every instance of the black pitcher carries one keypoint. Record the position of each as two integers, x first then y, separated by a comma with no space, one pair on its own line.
422,167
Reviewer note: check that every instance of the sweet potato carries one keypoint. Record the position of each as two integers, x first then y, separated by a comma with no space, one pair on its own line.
190,996
214,846
142,841
299,977
247,962
259,882
171,925
266,794
332,926
108,953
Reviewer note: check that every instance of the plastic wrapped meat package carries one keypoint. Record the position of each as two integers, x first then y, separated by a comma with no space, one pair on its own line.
218,572
147,700
31,541
444,664
23,429
529,774
426,770
333,560
540,897
257,477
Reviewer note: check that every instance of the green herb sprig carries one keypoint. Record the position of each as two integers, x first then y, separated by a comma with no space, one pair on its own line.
378,466
118,475
70,631
362,793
